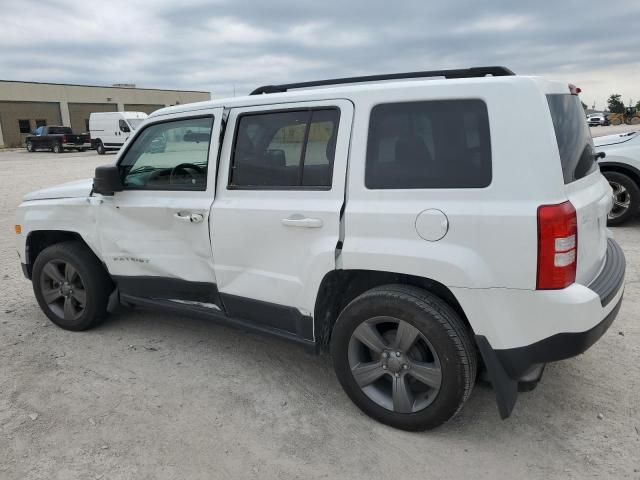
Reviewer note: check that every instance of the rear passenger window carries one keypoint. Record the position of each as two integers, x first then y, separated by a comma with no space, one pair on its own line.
431,144
575,145
289,149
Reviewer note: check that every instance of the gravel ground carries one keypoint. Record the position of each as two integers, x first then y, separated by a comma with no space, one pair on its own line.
153,396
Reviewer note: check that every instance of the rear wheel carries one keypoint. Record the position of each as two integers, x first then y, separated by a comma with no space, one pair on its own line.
30,147
626,198
404,357
71,286
57,148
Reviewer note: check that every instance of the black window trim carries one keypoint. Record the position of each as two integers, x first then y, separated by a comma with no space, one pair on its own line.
177,188
310,110
373,106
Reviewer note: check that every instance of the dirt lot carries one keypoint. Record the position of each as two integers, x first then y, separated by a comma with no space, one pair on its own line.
152,396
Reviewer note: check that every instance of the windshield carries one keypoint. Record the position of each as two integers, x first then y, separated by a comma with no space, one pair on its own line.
575,144
135,122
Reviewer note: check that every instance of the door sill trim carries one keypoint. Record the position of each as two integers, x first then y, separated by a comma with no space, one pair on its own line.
218,316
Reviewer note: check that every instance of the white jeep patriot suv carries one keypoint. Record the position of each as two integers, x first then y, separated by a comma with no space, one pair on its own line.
422,230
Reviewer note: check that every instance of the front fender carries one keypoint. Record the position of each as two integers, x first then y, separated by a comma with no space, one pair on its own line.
75,215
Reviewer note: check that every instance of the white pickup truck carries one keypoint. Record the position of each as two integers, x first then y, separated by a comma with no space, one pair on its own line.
420,230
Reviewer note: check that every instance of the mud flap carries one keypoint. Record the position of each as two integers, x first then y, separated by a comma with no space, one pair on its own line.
505,387
114,300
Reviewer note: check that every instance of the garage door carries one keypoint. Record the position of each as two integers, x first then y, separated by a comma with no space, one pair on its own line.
79,114
18,119
141,107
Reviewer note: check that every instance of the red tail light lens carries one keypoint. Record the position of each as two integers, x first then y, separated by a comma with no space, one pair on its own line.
64,139
557,246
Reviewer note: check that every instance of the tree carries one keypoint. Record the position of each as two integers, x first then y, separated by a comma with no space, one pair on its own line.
615,103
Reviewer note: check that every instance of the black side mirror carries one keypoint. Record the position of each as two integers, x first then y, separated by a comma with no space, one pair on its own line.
107,180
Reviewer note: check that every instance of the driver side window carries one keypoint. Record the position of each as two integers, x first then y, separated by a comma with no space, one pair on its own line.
169,156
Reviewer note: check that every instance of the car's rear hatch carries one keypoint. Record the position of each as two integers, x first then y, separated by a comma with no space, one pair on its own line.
586,188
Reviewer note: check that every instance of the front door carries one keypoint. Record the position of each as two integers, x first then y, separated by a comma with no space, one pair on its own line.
155,234
276,217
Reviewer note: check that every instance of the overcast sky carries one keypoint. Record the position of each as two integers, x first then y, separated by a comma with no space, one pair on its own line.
225,44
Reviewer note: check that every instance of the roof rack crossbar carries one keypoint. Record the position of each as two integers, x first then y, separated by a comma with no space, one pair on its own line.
459,73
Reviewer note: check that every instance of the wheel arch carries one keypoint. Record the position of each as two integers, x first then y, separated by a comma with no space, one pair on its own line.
339,287
38,240
623,168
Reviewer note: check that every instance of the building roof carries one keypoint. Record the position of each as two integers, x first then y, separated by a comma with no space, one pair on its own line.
103,86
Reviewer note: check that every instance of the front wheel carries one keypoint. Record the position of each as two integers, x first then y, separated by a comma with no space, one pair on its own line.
404,357
71,286
626,198
30,147
100,148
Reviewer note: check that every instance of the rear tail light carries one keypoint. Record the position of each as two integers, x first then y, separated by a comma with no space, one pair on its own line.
64,139
557,246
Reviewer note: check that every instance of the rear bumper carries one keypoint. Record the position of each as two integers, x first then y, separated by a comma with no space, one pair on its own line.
77,145
509,366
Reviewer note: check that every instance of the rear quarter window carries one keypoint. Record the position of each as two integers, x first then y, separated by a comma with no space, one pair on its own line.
575,145
429,144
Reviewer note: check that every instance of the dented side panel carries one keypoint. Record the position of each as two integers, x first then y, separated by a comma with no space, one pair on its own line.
141,236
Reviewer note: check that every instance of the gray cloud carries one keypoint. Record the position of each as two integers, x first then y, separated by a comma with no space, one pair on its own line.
226,44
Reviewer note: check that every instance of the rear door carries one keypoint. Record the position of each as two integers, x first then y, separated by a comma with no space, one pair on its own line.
586,188
276,217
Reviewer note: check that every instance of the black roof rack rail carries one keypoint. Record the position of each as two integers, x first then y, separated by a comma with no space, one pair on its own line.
459,73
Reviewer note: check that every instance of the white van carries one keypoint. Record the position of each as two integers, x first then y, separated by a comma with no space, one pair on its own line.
109,130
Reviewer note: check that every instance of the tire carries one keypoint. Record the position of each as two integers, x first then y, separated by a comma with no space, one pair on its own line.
100,148
442,342
626,198
616,121
51,268
635,121
30,147
57,148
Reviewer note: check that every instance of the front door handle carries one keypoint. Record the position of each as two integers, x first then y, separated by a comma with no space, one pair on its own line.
300,221
189,217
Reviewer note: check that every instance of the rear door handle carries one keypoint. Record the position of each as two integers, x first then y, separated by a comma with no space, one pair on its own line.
300,221
190,217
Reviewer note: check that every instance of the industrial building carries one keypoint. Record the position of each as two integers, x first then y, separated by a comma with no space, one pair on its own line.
27,105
